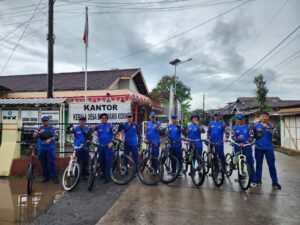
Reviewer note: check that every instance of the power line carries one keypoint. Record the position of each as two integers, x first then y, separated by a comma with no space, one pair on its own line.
17,44
254,66
176,35
267,24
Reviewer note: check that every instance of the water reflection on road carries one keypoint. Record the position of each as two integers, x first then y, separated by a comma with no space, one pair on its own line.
17,208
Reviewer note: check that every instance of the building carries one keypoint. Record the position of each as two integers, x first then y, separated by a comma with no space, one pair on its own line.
115,92
289,127
249,107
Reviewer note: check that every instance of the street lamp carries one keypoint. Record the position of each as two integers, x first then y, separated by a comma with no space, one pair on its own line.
176,62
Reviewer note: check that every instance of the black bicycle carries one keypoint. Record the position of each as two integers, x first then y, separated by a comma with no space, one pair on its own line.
170,163
94,165
213,162
193,160
123,167
150,170
30,170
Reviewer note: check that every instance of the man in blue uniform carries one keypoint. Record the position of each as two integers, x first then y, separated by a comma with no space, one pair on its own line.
243,134
132,137
105,139
174,132
264,131
194,133
81,136
153,134
215,133
47,135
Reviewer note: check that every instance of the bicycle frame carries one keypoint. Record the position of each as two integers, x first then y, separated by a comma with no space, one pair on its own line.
240,155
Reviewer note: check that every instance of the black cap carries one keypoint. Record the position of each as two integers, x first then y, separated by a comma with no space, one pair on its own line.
195,116
265,113
103,114
82,118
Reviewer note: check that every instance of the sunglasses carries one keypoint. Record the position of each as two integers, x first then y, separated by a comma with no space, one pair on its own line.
129,116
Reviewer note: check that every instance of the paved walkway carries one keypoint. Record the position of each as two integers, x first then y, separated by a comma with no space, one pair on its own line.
183,204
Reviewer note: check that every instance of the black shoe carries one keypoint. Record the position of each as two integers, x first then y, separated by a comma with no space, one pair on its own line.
55,181
45,180
276,186
258,183
85,177
106,181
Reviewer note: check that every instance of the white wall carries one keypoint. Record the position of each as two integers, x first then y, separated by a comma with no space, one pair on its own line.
290,132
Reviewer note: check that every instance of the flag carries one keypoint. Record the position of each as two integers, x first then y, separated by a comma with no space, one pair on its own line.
86,27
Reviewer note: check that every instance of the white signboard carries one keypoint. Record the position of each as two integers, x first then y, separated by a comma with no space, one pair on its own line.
28,116
53,116
116,111
10,114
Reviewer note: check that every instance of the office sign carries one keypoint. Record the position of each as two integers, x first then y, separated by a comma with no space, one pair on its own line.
116,111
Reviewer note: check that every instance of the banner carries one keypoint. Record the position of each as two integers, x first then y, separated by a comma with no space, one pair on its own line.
28,116
10,114
53,117
116,111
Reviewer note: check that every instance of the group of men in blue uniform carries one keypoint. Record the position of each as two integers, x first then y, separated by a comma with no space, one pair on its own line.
241,133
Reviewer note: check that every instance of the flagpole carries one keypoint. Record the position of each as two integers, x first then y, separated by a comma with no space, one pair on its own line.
85,75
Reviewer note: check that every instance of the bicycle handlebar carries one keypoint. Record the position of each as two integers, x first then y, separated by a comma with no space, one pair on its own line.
191,140
239,144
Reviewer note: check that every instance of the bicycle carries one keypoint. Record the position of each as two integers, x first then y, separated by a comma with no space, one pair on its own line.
150,170
169,162
192,159
123,167
30,171
94,166
237,161
212,160
72,173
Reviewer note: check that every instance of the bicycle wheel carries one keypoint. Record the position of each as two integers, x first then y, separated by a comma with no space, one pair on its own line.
171,169
205,162
185,161
30,176
228,164
217,171
197,171
123,169
71,176
147,173
92,173
244,175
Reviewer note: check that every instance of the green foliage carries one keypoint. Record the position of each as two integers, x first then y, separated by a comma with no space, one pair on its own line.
261,93
183,93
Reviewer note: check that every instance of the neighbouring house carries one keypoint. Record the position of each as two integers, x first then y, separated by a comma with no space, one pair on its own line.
289,127
249,107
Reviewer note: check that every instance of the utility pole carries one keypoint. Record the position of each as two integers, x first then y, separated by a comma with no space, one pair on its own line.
203,110
50,39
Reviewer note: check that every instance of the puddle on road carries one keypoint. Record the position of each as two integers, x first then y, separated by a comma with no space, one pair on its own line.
17,208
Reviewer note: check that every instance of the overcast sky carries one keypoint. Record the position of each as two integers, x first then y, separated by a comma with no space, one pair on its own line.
138,34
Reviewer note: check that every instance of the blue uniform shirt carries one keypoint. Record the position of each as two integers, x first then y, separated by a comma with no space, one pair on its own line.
195,133
131,133
105,134
265,141
153,133
79,137
49,132
174,131
216,131
244,131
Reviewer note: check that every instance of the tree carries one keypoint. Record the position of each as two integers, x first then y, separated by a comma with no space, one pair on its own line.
261,93
183,93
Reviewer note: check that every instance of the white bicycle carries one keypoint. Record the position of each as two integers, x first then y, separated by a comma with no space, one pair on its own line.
71,174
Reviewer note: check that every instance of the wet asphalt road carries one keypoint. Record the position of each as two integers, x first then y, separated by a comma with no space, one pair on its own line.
81,207
183,204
